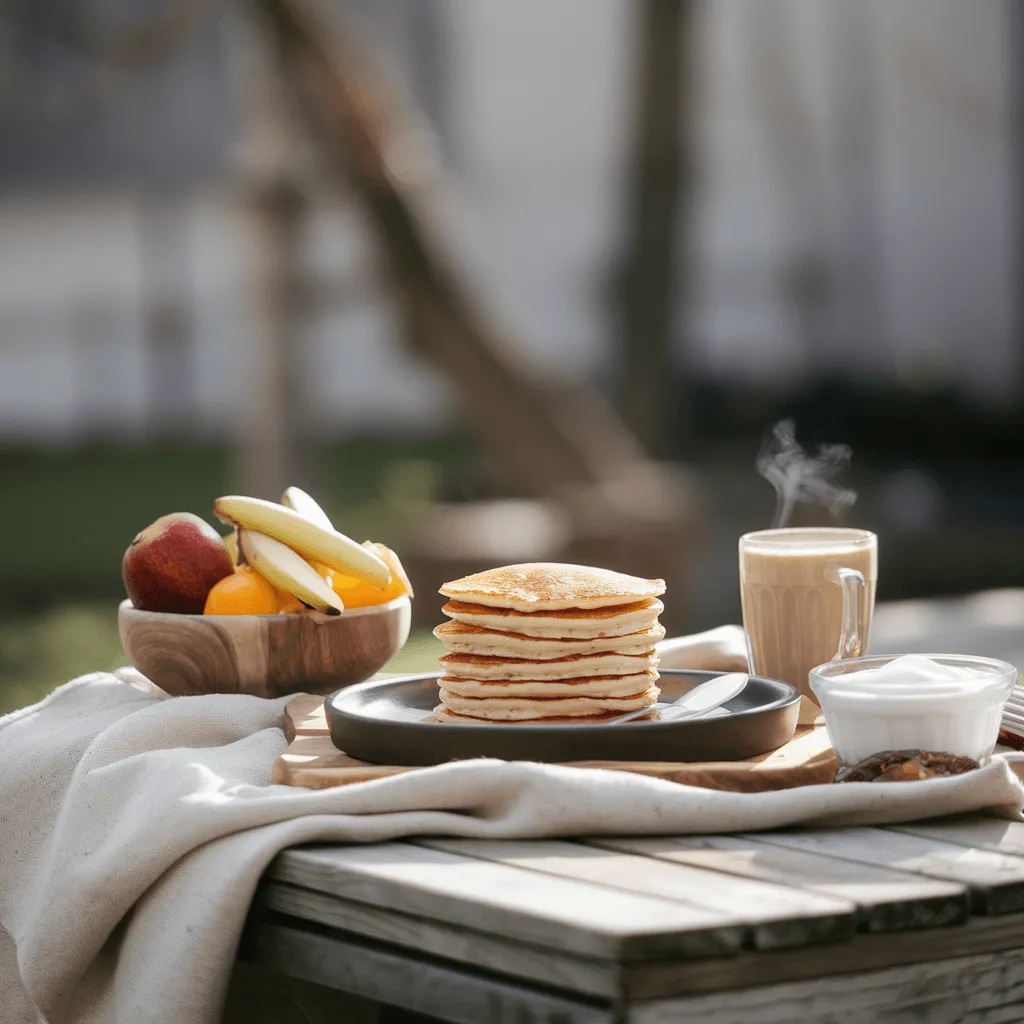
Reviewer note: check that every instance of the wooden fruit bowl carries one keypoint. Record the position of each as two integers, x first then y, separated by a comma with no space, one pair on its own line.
264,655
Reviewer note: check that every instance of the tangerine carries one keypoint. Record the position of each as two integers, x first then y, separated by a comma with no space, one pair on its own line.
244,592
288,603
357,594
339,581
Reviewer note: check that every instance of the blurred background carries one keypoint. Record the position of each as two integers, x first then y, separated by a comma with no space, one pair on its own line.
500,282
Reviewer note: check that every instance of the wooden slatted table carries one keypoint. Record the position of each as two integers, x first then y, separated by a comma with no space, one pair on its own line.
919,923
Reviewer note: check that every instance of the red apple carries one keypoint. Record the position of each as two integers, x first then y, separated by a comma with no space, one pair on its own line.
172,564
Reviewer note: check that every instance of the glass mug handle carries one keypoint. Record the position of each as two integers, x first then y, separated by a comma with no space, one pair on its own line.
850,640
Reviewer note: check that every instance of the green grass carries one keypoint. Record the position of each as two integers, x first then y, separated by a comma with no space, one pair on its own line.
39,652
69,515
75,512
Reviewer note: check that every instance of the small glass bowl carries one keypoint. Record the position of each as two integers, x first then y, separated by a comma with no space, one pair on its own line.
950,716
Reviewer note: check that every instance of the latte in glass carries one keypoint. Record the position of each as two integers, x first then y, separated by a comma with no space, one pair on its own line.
808,595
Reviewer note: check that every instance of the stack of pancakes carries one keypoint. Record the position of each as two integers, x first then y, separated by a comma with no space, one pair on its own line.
548,641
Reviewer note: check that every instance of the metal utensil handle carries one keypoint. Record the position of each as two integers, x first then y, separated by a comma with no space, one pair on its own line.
704,697
851,642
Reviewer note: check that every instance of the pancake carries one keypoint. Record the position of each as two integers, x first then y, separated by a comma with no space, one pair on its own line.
459,637
551,586
449,717
473,666
614,620
585,686
548,641
513,709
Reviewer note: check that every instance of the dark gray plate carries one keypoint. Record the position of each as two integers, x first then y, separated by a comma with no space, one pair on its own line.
386,722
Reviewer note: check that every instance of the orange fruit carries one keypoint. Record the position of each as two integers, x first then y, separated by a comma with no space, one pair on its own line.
340,582
288,603
244,592
357,594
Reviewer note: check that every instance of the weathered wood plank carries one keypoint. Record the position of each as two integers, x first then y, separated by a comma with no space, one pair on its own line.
983,832
662,980
886,900
771,916
980,935
577,917
967,990
995,880
518,959
423,986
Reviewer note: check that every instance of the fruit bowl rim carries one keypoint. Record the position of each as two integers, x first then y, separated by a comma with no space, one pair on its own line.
126,607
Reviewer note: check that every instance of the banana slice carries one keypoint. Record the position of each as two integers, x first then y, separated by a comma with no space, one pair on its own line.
394,563
313,542
231,543
299,501
288,571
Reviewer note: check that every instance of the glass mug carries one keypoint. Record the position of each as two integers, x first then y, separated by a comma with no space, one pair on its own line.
808,595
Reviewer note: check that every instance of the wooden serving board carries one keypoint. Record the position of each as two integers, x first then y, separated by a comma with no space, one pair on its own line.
312,760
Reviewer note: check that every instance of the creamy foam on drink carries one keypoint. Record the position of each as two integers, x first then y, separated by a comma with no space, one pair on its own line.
793,600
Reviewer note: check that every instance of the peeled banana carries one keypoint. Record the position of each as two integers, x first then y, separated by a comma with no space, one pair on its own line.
279,565
299,501
312,541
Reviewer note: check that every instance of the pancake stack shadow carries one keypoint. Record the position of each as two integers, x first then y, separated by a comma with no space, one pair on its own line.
548,642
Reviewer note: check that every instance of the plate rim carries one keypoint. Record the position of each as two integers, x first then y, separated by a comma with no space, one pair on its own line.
779,704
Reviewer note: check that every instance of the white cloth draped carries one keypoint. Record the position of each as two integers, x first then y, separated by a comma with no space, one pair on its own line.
136,826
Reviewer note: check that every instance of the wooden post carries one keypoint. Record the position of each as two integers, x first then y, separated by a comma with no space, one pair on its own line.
790,140
270,174
650,303
272,370
858,338
167,315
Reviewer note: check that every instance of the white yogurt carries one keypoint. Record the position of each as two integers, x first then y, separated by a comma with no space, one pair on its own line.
938,702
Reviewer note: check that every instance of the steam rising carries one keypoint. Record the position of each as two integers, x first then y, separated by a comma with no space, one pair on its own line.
801,478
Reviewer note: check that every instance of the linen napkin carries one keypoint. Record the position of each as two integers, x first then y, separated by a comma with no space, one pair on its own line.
134,828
